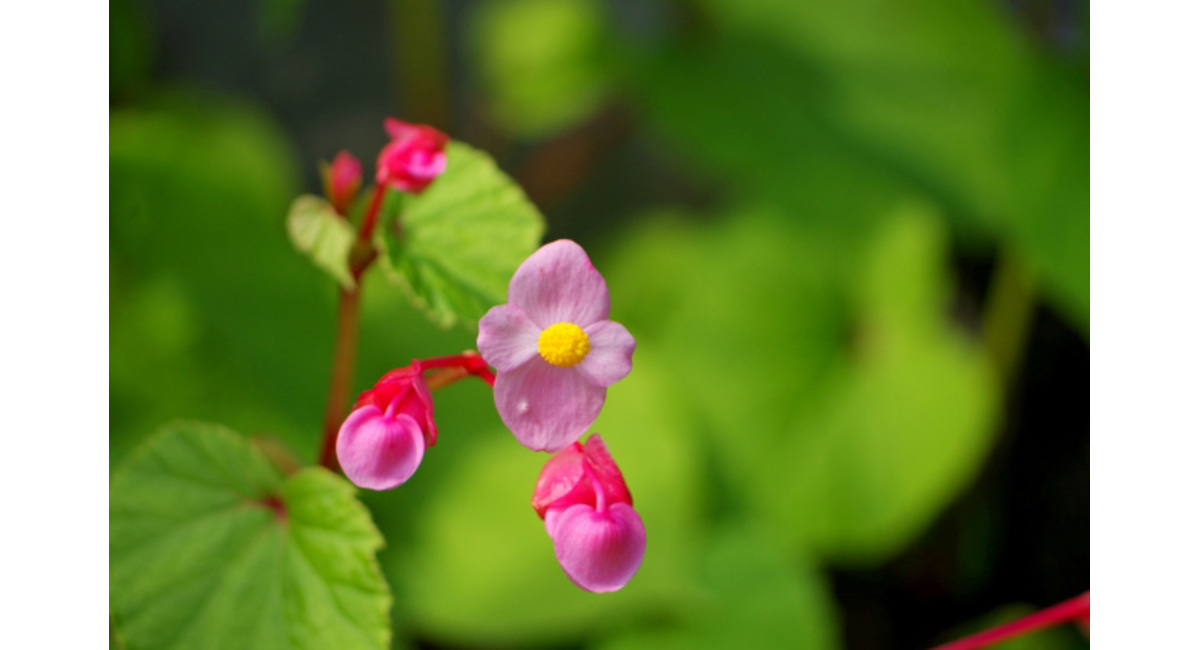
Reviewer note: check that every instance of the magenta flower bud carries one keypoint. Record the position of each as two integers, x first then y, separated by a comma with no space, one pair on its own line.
342,179
413,159
554,350
599,539
382,442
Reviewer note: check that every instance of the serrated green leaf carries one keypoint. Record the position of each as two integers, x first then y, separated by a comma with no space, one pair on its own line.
211,547
459,242
317,230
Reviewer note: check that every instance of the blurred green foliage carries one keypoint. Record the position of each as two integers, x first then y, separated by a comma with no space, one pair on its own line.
801,396
543,64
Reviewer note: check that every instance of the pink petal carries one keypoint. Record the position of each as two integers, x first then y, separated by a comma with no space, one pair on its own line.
546,407
605,469
379,452
559,284
611,354
397,129
418,405
563,483
600,551
507,338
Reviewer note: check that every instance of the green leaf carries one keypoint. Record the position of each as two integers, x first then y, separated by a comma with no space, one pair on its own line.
317,230
458,243
1047,155
210,546
542,62
905,419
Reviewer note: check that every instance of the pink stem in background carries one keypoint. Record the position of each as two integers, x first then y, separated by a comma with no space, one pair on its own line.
1076,609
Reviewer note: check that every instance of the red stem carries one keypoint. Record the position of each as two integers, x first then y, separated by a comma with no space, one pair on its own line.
345,346
469,361
368,224
1071,610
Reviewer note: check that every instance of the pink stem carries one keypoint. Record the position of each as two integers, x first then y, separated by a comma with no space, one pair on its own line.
1071,610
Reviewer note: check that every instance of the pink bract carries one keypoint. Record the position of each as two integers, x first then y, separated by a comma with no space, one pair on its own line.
413,159
599,539
382,442
547,406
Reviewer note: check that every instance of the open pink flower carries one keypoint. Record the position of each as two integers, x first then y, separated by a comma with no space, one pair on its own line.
415,156
553,347
383,440
599,539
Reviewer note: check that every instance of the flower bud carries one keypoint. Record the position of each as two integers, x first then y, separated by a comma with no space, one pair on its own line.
342,180
382,442
413,159
599,539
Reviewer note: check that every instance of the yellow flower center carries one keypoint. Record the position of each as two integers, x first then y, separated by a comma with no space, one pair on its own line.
563,344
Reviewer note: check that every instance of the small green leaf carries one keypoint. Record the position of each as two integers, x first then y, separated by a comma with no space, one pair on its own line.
456,245
317,230
211,547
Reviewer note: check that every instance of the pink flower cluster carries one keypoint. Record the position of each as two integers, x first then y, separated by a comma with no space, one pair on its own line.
555,352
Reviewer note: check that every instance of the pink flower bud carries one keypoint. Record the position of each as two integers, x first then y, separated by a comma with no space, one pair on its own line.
414,158
599,539
342,179
383,441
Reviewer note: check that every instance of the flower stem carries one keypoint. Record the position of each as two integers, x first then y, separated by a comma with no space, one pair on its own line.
368,224
344,351
345,347
1074,609
455,367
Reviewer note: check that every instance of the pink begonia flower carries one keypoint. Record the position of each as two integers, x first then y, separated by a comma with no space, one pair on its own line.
599,539
383,440
342,179
554,350
415,156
